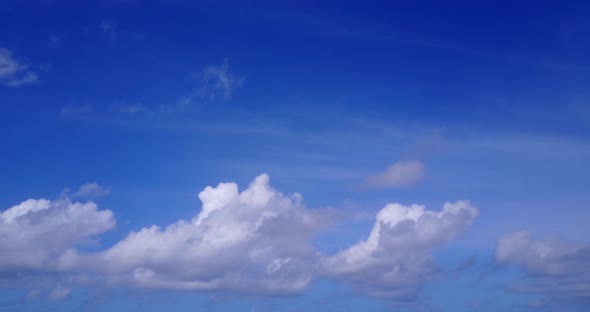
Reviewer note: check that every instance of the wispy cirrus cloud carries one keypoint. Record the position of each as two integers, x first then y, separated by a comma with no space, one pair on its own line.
55,40
13,72
129,109
109,29
59,293
218,81
214,82
89,190
75,111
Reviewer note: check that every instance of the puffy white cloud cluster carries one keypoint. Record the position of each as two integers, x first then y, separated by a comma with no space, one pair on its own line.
257,240
35,235
396,259
554,267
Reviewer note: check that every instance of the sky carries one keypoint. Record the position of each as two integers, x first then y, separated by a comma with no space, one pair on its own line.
294,156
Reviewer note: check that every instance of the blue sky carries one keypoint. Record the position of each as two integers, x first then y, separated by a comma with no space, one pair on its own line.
117,116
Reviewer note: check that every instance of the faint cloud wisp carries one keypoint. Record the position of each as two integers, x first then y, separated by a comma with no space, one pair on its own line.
13,73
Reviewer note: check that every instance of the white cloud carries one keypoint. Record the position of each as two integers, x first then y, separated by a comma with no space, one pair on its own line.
180,106
14,73
109,30
55,40
257,240
399,174
130,109
553,266
34,293
59,293
76,111
37,234
254,241
215,82
395,260
218,80
90,190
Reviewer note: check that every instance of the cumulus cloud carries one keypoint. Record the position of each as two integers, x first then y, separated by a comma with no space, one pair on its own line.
395,260
251,241
14,73
38,234
399,174
554,267
256,240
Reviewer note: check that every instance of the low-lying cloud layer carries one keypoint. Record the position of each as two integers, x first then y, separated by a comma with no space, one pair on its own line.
554,267
254,241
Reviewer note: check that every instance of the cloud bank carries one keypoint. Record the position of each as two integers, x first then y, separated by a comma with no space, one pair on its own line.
218,81
553,267
253,241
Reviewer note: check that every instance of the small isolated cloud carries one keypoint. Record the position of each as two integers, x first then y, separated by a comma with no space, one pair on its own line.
553,267
179,107
72,111
55,40
13,73
59,293
33,294
400,174
130,109
108,29
218,81
396,259
91,190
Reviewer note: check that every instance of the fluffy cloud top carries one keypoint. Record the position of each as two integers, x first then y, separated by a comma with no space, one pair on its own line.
396,258
554,267
399,174
13,73
257,240
37,234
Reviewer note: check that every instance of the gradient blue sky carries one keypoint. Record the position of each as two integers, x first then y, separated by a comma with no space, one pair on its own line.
148,102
